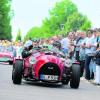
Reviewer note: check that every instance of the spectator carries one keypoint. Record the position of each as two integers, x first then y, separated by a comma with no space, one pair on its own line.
66,43
88,52
92,65
97,76
82,52
77,44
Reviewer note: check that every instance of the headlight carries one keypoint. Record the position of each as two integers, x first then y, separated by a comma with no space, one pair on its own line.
32,60
68,63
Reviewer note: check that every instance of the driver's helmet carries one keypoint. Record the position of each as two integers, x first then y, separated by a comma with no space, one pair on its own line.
28,44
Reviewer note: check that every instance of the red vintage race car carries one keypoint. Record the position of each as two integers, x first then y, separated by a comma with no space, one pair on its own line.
46,66
6,55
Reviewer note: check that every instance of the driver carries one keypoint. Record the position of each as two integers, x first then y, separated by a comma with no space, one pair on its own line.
27,51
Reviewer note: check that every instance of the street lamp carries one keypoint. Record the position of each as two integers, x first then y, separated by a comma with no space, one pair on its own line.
61,26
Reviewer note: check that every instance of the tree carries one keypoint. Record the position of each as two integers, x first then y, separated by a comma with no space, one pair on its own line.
77,22
64,13
5,18
19,37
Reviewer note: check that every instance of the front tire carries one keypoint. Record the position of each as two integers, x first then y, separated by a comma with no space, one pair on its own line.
75,77
17,72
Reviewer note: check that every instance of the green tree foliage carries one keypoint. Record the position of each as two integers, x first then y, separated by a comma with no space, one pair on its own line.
77,22
34,33
5,18
64,13
19,37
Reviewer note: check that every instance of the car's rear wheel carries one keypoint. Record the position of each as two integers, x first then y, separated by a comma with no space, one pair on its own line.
75,76
17,72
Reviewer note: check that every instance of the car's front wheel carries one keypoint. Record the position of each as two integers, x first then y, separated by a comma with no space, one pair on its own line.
75,76
17,72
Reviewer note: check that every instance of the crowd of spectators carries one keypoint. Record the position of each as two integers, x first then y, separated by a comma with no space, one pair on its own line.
83,46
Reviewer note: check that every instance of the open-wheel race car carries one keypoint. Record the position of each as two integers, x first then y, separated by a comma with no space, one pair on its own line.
47,66
6,54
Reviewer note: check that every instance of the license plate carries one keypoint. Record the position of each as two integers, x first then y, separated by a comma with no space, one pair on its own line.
49,77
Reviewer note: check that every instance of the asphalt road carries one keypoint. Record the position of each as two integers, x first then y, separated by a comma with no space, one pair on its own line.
40,91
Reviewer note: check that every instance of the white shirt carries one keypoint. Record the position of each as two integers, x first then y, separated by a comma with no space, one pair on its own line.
65,43
88,42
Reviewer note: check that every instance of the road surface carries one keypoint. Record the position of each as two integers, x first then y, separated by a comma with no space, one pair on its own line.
40,91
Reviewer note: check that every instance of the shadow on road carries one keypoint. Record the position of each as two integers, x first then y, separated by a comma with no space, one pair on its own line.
42,84
47,85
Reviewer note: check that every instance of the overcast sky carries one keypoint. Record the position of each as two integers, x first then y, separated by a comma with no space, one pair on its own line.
30,13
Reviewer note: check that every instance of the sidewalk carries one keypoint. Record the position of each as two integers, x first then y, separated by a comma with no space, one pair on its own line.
89,81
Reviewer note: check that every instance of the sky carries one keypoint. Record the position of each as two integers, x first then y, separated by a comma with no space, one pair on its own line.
30,13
